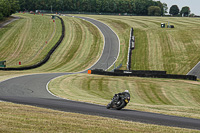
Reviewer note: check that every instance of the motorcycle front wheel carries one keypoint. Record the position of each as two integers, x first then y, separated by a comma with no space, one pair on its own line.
108,106
123,104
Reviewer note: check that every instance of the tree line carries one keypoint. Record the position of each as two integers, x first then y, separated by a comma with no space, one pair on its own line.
174,10
137,7
8,7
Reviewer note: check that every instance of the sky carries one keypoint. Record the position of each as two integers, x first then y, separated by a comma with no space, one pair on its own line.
193,4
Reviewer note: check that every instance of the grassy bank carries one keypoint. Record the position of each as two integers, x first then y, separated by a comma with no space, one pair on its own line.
173,50
22,118
80,49
174,97
25,39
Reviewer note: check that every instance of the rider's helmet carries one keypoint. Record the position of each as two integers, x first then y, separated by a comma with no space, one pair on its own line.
126,91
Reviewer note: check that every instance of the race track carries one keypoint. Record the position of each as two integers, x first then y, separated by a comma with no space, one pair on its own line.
195,71
32,90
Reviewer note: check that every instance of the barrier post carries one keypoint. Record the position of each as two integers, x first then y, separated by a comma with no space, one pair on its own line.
89,71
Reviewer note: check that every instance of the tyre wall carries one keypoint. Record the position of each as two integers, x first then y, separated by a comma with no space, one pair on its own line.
150,74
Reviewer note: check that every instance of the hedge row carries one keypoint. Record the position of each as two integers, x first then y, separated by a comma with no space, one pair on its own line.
42,62
151,74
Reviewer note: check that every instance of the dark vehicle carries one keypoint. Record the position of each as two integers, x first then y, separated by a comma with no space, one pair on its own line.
119,100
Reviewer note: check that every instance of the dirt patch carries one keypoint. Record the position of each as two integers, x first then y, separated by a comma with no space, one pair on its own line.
192,82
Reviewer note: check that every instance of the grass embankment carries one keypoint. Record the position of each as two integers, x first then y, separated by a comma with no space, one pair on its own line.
173,50
165,96
25,40
122,30
22,118
80,49
174,97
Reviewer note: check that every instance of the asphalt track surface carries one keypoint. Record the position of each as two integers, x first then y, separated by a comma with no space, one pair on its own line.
10,21
32,90
195,71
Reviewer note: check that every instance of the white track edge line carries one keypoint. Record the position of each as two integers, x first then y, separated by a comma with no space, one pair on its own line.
47,88
104,38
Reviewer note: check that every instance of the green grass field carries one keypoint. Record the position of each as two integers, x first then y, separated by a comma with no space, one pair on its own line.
167,96
25,40
21,118
174,50
80,49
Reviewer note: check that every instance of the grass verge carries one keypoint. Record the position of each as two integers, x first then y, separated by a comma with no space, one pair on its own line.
173,97
25,39
173,50
22,118
81,47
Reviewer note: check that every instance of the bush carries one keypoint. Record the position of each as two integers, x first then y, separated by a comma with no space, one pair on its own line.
154,11
1,16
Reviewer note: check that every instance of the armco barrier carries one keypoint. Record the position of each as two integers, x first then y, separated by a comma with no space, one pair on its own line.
47,56
130,48
142,74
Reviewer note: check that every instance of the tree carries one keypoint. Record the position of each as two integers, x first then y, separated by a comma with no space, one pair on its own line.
138,7
1,16
123,6
159,4
174,10
105,6
113,6
141,7
8,7
192,15
14,6
98,6
185,11
165,8
5,8
154,11
131,6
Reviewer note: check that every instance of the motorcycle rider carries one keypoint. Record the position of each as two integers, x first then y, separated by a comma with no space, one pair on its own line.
120,95
117,100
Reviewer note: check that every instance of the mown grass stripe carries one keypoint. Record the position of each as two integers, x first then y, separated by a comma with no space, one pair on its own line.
174,97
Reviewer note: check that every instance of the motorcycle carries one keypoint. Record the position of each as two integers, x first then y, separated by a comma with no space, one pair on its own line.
118,102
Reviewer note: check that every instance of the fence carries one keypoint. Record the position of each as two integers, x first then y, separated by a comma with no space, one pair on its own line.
131,47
